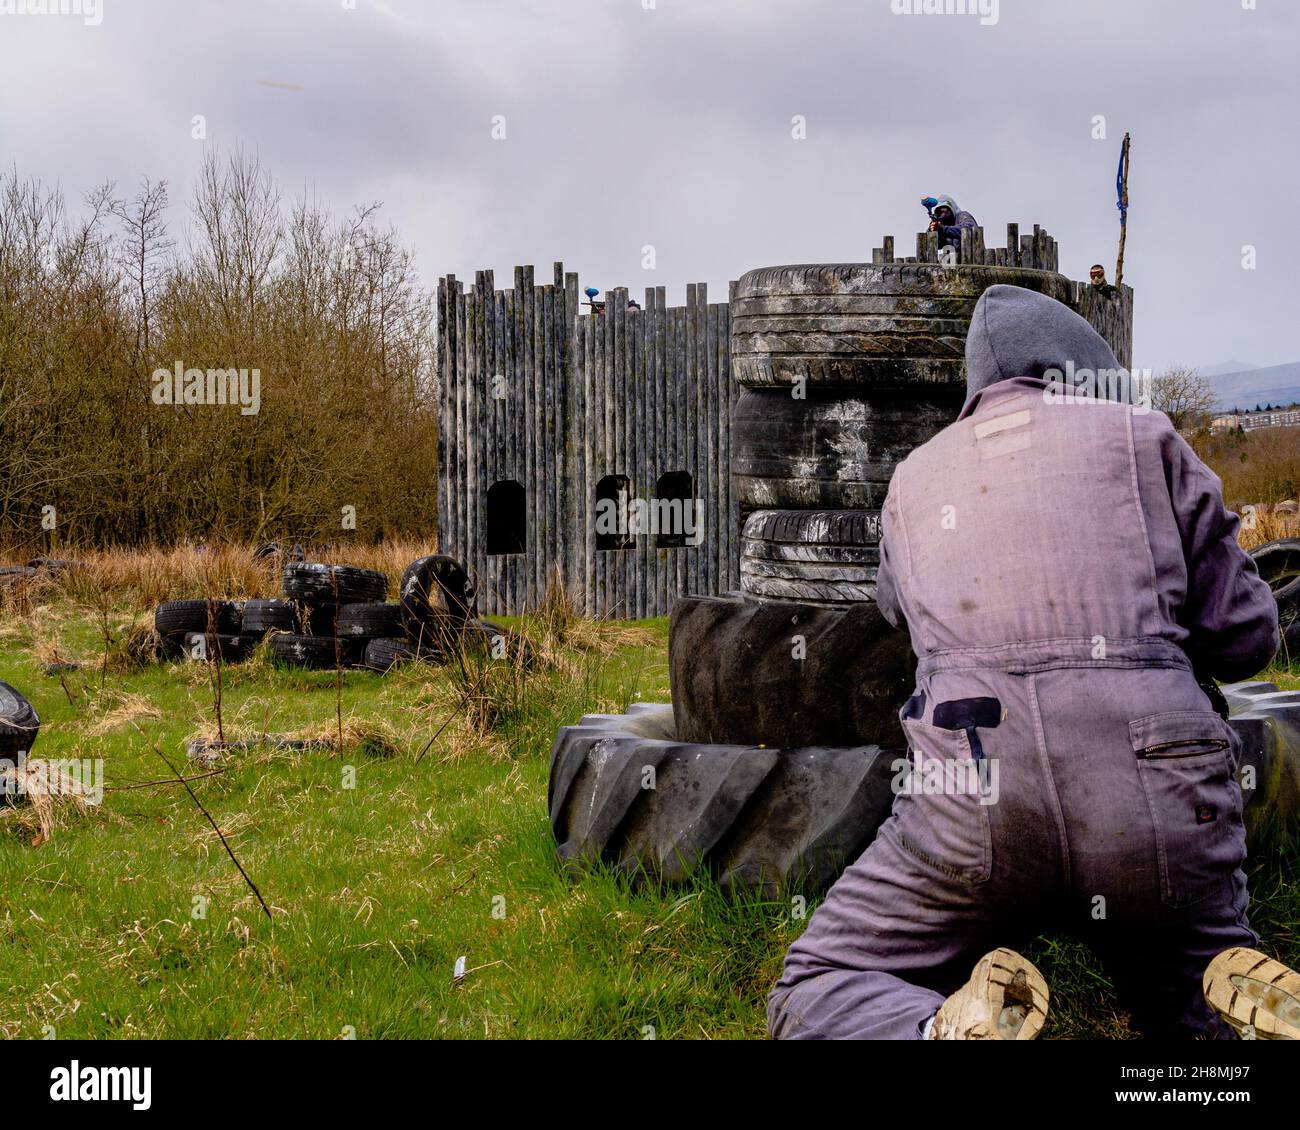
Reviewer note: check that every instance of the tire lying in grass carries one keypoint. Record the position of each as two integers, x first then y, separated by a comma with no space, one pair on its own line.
262,616
792,819
822,557
370,620
435,593
385,654
19,724
317,652
177,617
756,818
1278,563
230,649
315,583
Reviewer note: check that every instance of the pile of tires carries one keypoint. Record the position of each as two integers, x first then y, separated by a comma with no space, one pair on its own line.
200,629
338,616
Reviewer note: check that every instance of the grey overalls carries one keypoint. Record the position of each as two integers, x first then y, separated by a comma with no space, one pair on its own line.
1056,565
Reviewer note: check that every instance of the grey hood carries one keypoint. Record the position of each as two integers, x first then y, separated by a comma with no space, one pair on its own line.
1016,332
950,202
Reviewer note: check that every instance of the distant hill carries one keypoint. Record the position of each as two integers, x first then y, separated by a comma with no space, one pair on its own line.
1275,384
1225,367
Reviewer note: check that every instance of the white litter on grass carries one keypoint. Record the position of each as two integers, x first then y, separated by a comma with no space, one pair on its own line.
458,970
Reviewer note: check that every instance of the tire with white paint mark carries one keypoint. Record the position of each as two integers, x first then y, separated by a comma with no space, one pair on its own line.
828,450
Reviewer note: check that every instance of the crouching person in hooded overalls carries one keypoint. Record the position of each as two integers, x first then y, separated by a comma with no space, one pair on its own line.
1064,566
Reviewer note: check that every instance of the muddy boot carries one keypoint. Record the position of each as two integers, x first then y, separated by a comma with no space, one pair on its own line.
1005,999
1258,996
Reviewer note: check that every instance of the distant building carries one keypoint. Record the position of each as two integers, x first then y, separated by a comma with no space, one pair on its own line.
1249,421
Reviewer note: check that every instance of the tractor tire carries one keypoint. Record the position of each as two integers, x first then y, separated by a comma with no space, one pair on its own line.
179,617
863,325
828,450
757,818
781,673
826,558
789,820
19,724
314,583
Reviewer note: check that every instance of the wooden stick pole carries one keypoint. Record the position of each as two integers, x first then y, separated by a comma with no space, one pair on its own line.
1123,221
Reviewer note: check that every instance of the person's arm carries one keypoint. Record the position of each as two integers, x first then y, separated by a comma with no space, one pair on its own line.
1229,611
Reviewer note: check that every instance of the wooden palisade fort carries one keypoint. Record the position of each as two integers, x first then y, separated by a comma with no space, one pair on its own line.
548,413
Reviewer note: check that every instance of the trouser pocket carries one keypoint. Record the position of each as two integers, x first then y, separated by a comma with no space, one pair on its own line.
1185,765
942,809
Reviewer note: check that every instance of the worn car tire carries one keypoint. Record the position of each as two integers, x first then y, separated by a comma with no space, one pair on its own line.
828,450
177,617
436,591
370,620
317,652
784,673
819,557
314,583
231,649
384,654
19,724
1278,563
755,817
262,616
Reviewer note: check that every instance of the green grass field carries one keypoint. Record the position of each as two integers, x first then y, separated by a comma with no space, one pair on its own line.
128,919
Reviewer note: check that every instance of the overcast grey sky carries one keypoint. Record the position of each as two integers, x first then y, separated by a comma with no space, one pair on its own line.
671,126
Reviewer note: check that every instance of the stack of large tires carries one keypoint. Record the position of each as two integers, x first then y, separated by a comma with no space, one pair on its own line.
776,772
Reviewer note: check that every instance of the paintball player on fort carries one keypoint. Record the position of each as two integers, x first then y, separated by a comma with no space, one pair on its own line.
947,219
1064,566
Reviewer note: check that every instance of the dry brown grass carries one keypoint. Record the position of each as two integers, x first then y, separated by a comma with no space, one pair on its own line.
1270,527
143,578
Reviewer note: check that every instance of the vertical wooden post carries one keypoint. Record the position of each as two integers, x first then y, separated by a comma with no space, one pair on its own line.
1123,217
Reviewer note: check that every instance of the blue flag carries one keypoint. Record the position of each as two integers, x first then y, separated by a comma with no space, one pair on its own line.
1119,188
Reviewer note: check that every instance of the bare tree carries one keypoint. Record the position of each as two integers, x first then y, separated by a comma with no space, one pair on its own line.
144,243
1183,395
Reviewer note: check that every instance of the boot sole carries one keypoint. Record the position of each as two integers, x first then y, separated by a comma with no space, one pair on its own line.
1005,999
1258,996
